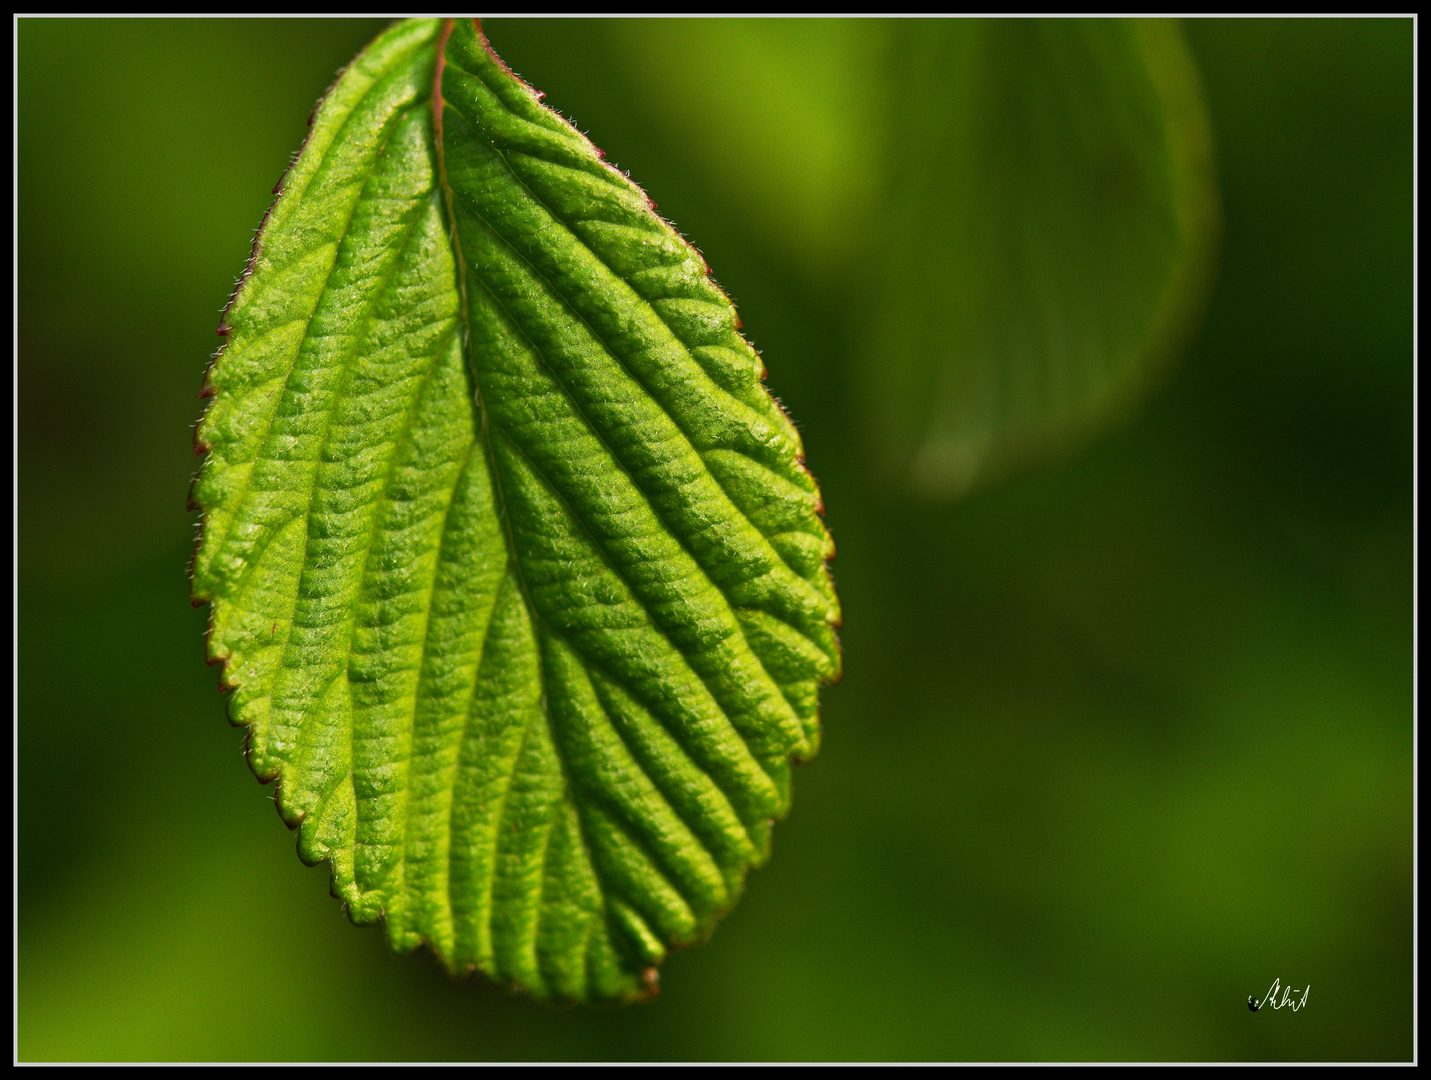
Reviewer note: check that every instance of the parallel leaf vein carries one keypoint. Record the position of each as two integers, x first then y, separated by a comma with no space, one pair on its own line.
242,494
253,559
605,343
600,435
586,658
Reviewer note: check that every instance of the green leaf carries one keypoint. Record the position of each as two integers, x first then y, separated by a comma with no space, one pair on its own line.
517,575
1052,219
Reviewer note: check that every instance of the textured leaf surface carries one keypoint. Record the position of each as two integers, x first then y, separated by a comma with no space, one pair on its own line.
1050,238
517,573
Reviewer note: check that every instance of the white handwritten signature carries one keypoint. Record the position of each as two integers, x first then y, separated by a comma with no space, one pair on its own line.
1288,998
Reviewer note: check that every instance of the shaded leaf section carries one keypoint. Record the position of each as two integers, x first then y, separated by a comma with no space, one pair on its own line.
656,503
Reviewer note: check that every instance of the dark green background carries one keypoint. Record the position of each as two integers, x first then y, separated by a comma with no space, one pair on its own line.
1118,744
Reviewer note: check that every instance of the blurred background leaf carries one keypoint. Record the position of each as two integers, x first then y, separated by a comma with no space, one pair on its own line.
1051,217
1118,743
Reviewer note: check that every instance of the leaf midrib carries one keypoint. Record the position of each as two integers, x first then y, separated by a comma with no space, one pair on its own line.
513,565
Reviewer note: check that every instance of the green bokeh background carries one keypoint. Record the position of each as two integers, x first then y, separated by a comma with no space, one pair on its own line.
1118,743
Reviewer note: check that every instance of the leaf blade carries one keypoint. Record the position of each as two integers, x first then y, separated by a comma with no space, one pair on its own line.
522,697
